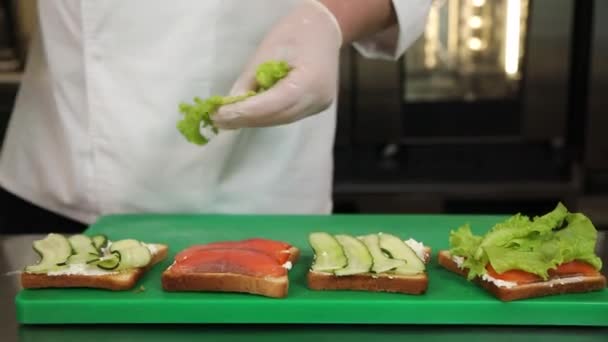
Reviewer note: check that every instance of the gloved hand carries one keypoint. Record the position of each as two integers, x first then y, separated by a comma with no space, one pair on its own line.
309,40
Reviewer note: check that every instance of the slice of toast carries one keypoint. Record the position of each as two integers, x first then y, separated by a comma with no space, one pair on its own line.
384,282
118,281
553,286
275,287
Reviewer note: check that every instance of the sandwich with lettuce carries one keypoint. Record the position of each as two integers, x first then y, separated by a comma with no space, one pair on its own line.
524,257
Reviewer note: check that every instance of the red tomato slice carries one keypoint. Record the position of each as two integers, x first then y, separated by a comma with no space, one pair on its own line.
574,267
517,276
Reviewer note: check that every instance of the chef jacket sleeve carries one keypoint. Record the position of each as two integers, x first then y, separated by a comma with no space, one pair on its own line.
392,42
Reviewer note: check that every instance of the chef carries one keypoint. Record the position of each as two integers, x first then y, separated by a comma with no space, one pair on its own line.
93,130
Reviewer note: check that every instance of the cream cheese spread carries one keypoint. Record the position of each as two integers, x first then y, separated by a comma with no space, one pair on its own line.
82,269
498,282
417,247
458,260
151,247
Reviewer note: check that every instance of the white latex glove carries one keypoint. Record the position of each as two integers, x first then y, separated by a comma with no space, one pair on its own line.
309,40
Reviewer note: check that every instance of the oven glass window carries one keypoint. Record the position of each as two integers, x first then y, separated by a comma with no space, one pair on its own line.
471,50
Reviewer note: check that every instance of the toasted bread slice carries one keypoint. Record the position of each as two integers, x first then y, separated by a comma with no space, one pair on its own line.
119,281
275,287
384,282
553,286
416,284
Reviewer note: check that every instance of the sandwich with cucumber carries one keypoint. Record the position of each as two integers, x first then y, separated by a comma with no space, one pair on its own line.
374,262
523,258
90,261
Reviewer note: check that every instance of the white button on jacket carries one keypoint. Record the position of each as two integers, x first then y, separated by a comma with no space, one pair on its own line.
94,126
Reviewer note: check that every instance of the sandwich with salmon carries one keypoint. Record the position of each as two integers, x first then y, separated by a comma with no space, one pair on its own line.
90,261
255,266
525,258
374,263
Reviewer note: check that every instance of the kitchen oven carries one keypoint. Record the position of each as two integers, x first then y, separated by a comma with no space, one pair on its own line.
487,104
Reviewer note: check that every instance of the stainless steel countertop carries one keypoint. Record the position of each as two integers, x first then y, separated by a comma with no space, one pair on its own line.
16,251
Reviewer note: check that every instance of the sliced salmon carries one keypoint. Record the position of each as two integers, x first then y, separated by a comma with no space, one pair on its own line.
276,249
229,260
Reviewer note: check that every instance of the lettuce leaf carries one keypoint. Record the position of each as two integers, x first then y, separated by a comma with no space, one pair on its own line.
534,246
518,230
534,260
199,114
269,73
577,241
465,243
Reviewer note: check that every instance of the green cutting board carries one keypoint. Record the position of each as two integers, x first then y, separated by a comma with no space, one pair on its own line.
450,299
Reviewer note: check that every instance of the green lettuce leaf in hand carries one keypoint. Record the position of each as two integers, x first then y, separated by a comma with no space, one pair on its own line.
199,114
534,246
271,72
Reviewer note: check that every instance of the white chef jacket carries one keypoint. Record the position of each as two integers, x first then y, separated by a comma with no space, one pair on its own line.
93,130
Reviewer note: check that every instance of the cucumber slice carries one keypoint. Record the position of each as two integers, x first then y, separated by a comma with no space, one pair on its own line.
397,249
359,259
382,263
129,253
99,241
124,244
82,244
109,262
54,251
82,258
138,256
329,255
83,249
